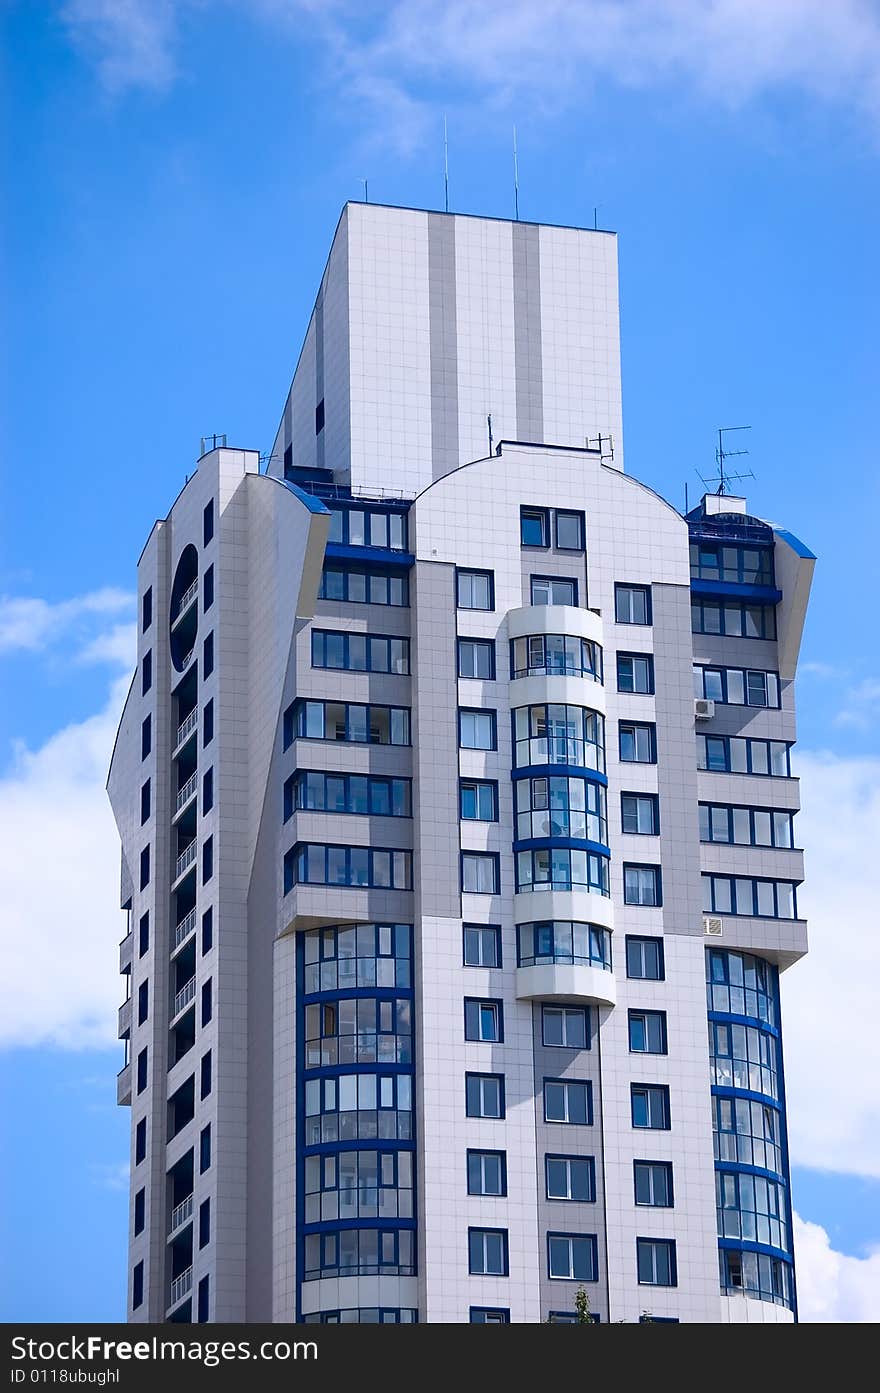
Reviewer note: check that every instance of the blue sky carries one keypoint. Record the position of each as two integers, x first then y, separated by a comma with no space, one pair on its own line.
173,171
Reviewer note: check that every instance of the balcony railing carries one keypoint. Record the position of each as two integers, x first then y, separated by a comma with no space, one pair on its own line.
186,659
187,726
181,1213
185,859
185,793
184,996
184,928
186,599
181,1286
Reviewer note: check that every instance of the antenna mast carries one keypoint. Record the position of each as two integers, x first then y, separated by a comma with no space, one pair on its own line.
446,162
515,179
722,478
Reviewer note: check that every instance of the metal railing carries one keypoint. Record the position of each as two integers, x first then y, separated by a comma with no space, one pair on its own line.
185,793
184,996
184,928
185,859
187,726
181,1286
186,599
187,659
181,1212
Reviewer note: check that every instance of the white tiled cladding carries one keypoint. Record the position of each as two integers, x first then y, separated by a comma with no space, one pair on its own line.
587,906
566,982
579,691
350,1293
554,619
742,1310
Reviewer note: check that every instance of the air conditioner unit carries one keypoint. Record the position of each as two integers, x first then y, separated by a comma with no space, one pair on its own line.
713,927
704,709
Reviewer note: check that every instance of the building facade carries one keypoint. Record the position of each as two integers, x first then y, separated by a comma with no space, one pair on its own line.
458,823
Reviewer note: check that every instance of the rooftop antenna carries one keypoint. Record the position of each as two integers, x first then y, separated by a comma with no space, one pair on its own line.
446,162
596,216
722,478
489,422
515,180
366,190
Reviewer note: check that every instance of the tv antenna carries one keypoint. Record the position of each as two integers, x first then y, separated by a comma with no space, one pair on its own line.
515,179
446,162
366,189
489,424
723,478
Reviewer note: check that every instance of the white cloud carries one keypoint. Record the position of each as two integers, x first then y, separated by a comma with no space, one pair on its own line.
832,1286
30,624
117,646
112,1175
729,51
830,997
862,706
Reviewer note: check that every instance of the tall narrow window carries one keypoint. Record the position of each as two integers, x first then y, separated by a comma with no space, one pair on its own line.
208,523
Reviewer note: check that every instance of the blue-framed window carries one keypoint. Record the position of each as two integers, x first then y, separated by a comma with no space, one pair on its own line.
737,686
484,1095
573,1257
478,800
569,1101
313,790
352,721
655,1262
553,590
650,1106
476,658
337,958
647,1032
363,585
534,527
358,1184
561,806
555,655
762,899
743,1056
573,1318
559,734
640,814
735,754
487,1173
637,742
652,1182
740,984
359,1107
368,527
561,868
489,1315
644,958
482,945
635,672
477,729
726,561
642,885
569,530
747,1132
364,1315
358,1030
487,1252
480,872
317,863
566,1027
721,822
632,604
752,1208
756,1275
484,1020
563,941
475,589
366,1252
733,619
571,1178
349,652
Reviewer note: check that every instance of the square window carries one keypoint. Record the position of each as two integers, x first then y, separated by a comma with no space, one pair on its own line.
572,1257
565,1026
650,1106
478,800
647,1032
641,885
483,1020
534,527
640,813
484,1095
653,1183
482,945
638,742
644,959
474,590
632,604
476,658
655,1259
477,730
487,1173
489,1315
487,1252
569,531
480,873
551,590
568,1101
570,1178
635,673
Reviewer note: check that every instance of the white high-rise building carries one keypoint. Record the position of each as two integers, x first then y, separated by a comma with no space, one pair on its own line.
458,823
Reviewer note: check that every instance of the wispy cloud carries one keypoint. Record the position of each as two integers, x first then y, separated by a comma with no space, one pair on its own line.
862,705
30,624
113,1175
117,646
832,1286
728,52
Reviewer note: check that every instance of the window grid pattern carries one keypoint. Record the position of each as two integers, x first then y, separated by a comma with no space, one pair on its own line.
310,790
556,655
563,941
316,863
559,806
368,527
559,734
350,652
738,565
736,686
731,618
760,899
739,826
561,868
365,586
736,754
356,722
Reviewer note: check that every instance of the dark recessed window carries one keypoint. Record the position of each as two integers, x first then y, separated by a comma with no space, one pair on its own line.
207,860
140,1141
206,1002
142,1070
640,813
478,800
482,945
204,1223
208,523
650,1106
208,790
143,1002
476,658
534,527
145,802
205,1075
319,417
137,1285
656,1262
205,1148
143,935
569,531
632,604
641,885
146,736
203,1301
487,1173
145,868
208,588
638,742
140,1204
208,723
635,672
647,1032
483,1020
484,1095
653,1183
147,608
207,930
644,959
208,656
147,672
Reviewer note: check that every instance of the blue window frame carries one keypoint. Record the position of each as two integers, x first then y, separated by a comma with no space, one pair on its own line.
733,563
489,1315
642,885
652,1183
752,1208
364,585
732,618
368,527
483,1020
346,956
561,806
360,1252
565,1026
553,590
563,941
484,1095
644,958
555,655
558,733
487,1252
352,721
742,985
632,604
349,652
487,1173
359,1183
640,814
475,589
573,1257
637,742
655,1261
735,754
635,673
480,872
476,658
534,527
478,800
741,826
482,945
757,1275
650,1106
569,530
647,1032
477,729
354,1107
570,1178
561,868
317,863
737,686
759,899
568,1101
313,790
358,1031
